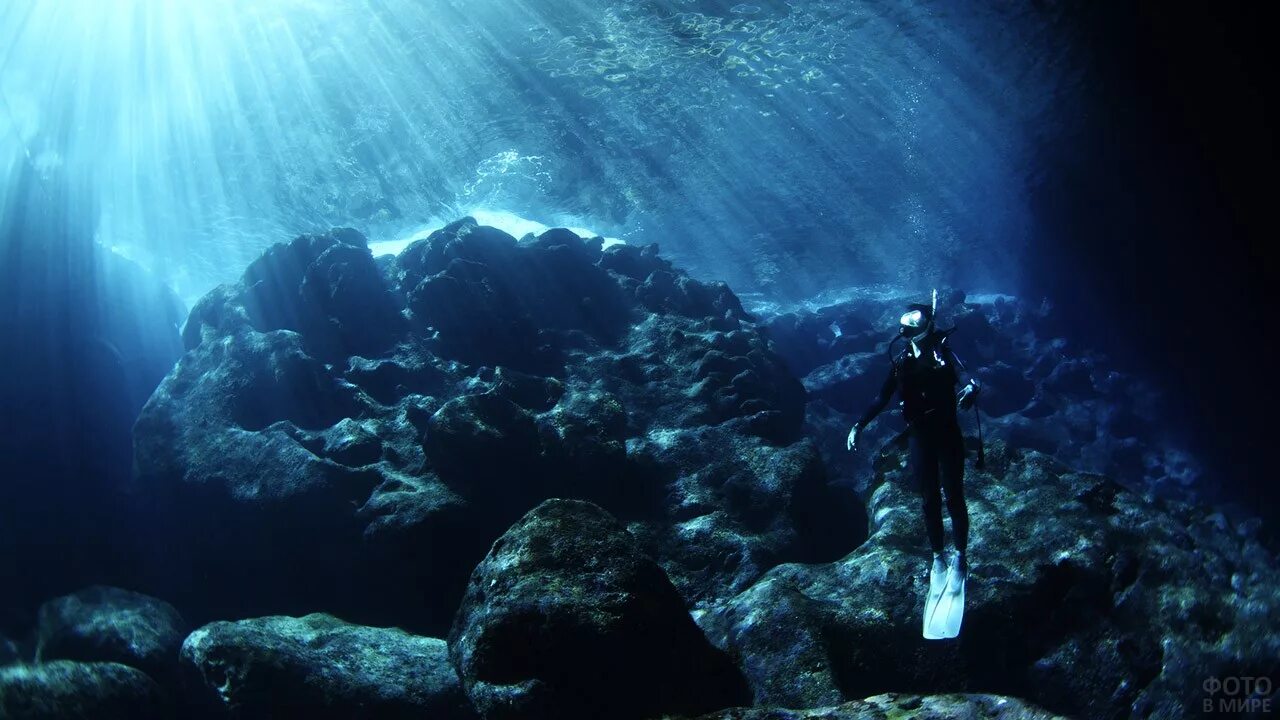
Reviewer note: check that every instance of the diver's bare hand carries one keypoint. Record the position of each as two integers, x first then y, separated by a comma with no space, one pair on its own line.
851,442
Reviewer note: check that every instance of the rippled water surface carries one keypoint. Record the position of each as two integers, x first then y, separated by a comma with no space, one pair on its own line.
784,146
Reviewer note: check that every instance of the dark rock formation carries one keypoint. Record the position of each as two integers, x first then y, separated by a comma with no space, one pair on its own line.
106,624
1082,597
350,435
65,690
739,505
921,707
327,289
566,618
319,667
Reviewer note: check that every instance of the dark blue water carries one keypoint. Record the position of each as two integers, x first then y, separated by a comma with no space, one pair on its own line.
200,407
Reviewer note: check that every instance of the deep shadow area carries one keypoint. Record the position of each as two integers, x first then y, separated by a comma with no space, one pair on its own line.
85,336
1153,219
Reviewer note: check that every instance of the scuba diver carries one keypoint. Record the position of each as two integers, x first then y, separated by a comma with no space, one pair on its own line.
925,375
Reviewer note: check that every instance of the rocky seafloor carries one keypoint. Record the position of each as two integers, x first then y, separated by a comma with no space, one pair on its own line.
542,478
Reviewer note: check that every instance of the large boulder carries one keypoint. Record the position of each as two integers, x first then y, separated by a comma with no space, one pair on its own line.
1082,597
106,624
739,507
491,301
850,382
906,707
302,456
566,618
66,690
1005,389
328,289
319,667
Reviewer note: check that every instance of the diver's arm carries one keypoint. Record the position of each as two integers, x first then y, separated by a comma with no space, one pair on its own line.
971,387
881,402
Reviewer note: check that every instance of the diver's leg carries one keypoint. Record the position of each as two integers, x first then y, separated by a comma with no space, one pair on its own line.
953,483
924,463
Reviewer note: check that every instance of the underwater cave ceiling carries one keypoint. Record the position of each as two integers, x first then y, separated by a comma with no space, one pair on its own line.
781,146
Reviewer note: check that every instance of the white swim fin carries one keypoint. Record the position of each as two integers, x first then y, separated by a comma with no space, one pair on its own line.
938,575
943,623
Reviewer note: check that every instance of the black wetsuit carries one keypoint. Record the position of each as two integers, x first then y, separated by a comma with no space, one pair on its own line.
927,385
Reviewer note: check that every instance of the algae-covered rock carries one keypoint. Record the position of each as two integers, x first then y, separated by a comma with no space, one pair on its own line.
566,618
67,690
106,624
396,416
319,667
1082,597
